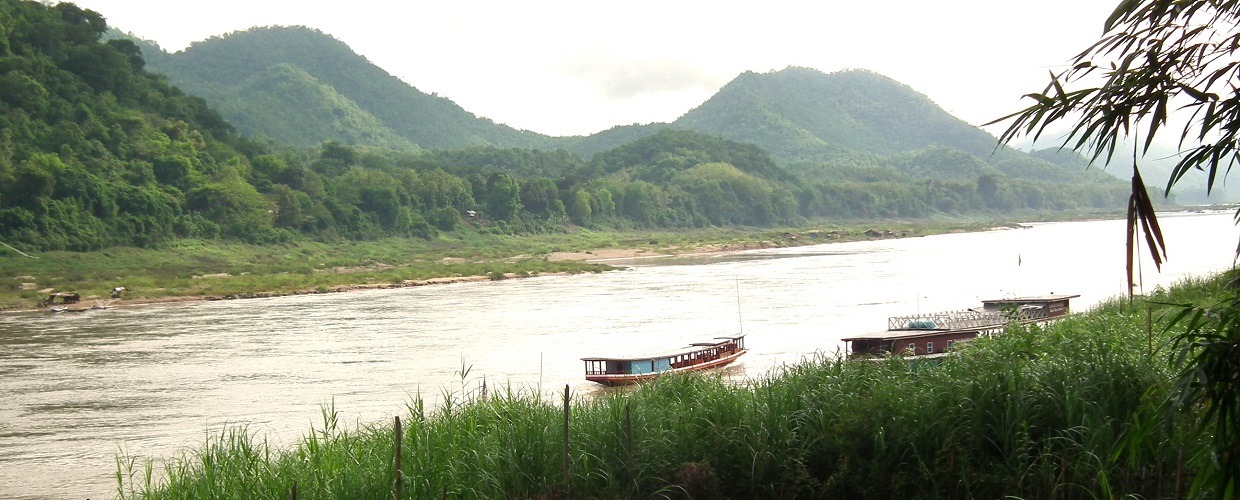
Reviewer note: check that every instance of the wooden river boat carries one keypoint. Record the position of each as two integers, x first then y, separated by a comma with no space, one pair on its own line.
698,356
932,334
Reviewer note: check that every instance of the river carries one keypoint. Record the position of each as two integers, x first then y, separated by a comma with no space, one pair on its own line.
151,382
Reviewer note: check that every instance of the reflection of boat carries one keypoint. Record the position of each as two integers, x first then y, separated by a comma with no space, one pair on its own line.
699,356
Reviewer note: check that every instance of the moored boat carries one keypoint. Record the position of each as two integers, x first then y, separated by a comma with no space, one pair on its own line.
935,333
698,356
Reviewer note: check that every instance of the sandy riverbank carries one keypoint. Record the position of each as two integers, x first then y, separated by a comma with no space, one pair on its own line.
93,303
600,257
611,256
621,256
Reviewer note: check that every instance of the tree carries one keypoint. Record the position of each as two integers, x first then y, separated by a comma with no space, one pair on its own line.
503,199
1156,58
988,188
541,198
579,207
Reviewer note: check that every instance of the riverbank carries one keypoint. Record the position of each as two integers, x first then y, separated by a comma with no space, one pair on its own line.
193,270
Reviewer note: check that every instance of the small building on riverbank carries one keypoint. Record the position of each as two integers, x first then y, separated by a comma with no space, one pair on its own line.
61,298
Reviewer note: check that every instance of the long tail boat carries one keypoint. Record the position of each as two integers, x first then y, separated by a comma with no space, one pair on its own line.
698,356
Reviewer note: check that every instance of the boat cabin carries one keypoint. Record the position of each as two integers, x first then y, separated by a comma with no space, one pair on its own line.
907,342
1041,306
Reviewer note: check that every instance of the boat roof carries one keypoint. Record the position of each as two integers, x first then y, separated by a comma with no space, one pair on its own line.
694,347
903,334
1031,298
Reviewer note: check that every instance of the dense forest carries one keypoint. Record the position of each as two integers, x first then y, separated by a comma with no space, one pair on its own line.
95,151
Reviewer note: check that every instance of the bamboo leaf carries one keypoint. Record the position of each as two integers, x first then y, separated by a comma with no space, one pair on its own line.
1197,94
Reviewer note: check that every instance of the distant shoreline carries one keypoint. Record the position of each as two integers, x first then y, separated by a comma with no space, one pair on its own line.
613,258
603,256
531,256
88,302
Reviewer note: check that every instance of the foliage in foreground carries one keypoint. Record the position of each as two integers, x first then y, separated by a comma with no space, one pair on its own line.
1075,410
1169,67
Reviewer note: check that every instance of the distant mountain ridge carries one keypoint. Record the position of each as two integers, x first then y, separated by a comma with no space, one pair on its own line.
302,87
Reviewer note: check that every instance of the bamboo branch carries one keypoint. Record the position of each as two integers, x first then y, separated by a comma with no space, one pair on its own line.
23,254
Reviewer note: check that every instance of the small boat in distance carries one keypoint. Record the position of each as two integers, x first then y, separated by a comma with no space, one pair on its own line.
699,356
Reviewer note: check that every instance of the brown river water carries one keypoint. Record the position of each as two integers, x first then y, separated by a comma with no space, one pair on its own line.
77,390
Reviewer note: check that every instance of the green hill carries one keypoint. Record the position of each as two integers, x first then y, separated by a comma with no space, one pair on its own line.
801,113
224,70
668,153
292,107
804,116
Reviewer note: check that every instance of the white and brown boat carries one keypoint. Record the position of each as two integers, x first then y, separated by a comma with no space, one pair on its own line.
698,356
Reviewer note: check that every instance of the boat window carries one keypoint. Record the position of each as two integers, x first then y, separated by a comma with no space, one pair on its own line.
912,348
929,347
949,344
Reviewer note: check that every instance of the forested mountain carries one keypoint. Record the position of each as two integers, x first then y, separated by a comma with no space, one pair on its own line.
804,114
299,106
95,151
246,76
805,117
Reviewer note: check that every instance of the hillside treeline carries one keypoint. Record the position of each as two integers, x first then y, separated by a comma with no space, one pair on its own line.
97,152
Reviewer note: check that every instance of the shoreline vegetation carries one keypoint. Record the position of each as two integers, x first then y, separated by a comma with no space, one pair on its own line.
194,270
1075,409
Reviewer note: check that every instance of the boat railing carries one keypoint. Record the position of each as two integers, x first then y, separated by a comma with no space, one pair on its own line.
967,319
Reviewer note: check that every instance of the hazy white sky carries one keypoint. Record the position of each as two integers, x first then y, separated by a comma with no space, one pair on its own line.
577,67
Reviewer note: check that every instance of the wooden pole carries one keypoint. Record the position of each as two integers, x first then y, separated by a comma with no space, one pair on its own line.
293,494
399,472
1149,326
1179,474
567,483
628,443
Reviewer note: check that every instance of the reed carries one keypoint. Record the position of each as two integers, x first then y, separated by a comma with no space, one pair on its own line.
1070,410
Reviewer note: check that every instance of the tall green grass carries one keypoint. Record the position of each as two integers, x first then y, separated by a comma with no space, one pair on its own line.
1069,410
